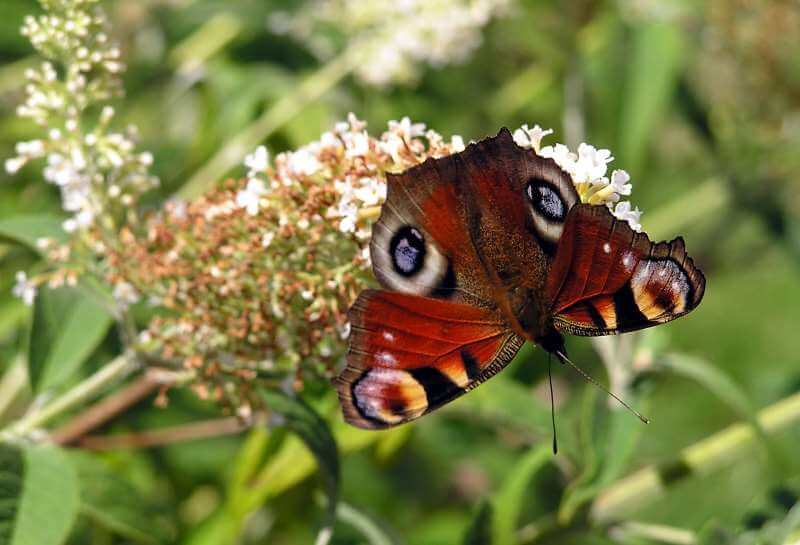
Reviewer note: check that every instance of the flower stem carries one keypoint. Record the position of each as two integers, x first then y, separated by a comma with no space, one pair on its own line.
272,119
649,483
115,370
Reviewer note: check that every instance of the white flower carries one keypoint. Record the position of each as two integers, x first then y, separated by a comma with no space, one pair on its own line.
561,155
14,164
357,144
405,129
347,223
456,143
24,288
591,165
303,163
392,145
267,238
125,294
32,149
371,192
249,197
619,182
70,225
530,137
623,211
257,161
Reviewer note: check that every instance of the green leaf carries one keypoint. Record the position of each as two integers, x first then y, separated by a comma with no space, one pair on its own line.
301,419
67,327
653,73
27,228
371,529
11,470
609,451
510,499
480,529
38,495
114,504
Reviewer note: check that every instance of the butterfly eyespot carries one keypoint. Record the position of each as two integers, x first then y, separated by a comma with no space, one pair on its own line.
545,199
407,250
405,259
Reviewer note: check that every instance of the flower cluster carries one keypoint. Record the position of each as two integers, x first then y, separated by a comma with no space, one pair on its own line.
588,168
97,169
392,38
258,274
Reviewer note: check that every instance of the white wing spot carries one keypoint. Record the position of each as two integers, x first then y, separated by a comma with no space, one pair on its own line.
627,261
607,247
388,336
386,359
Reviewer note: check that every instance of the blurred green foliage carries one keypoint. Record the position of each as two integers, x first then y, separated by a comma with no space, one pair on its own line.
700,101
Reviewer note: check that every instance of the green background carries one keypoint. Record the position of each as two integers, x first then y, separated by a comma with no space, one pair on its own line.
699,101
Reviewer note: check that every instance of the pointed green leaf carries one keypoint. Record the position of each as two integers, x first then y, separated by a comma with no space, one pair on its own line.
301,419
370,528
38,495
67,327
26,229
510,499
653,73
480,529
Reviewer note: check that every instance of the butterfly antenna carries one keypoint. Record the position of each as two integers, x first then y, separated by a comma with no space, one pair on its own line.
564,359
552,403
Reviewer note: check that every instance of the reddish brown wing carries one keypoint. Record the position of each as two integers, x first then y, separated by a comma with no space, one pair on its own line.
608,279
410,355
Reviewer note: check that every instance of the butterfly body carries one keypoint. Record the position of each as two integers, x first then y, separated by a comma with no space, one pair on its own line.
480,251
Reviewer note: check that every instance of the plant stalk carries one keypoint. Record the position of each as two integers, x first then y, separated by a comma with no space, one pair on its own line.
271,120
648,484
115,370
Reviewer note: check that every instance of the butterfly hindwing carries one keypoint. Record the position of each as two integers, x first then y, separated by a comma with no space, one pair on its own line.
608,279
410,355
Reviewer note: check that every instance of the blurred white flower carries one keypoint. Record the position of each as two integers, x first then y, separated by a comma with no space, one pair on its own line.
267,238
257,162
405,129
531,137
393,38
125,294
249,197
14,164
24,288
370,191
457,143
303,163
356,144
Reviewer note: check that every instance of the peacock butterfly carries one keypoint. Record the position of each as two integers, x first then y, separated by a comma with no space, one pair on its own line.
480,251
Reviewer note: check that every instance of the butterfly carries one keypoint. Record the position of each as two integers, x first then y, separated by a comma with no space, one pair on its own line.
480,251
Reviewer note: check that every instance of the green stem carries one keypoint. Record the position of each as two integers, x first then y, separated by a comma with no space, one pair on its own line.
648,484
272,119
632,531
13,382
115,370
